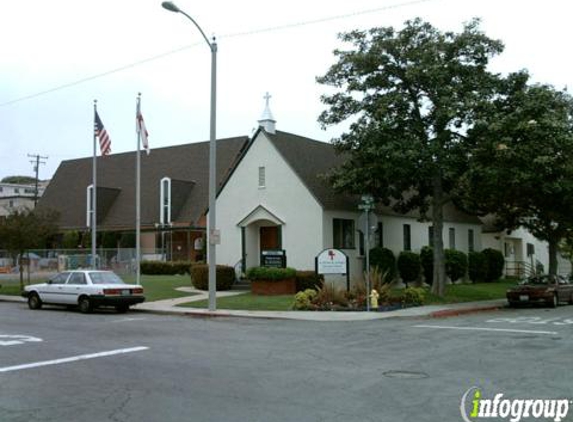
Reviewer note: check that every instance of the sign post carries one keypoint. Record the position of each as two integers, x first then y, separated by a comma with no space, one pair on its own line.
366,206
333,261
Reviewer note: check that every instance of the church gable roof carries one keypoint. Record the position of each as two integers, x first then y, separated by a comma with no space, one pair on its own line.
187,165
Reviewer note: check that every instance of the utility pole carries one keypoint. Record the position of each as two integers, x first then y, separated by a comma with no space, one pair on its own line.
36,163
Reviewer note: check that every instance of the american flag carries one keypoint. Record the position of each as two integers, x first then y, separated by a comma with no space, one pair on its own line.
101,133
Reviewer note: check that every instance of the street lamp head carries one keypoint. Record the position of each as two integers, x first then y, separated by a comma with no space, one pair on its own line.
170,6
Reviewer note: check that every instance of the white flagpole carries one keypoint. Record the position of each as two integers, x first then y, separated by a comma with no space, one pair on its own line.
138,199
94,196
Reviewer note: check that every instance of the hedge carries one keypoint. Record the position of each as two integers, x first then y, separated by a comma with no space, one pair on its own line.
306,280
384,259
200,277
270,273
495,263
456,264
409,266
165,268
477,267
427,261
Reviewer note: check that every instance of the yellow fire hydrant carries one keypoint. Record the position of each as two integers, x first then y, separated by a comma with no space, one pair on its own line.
374,295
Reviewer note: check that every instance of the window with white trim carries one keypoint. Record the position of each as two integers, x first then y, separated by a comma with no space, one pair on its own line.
452,233
407,235
165,201
471,240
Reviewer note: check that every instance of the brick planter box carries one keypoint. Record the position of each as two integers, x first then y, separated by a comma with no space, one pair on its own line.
274,287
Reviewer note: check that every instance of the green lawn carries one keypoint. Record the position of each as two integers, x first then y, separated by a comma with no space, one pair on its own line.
159,287
11,288
457,293
156,287
248,302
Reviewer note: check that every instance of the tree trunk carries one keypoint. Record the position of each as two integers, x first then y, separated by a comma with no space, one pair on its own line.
439,283
553,242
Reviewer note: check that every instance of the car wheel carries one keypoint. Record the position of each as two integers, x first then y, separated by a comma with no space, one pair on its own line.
85,305
554,301
34,301
122,308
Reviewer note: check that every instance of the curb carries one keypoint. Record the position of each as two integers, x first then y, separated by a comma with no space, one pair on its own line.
208,315
456,312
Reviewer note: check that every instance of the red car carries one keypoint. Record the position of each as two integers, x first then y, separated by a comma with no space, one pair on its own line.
547,289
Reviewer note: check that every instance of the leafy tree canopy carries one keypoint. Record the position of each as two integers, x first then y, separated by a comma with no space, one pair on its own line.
521,167
19,180
24,229
411,95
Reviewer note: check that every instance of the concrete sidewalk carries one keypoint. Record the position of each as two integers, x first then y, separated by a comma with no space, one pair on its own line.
170,307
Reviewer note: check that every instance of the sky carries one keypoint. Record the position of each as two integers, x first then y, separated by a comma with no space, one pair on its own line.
58,56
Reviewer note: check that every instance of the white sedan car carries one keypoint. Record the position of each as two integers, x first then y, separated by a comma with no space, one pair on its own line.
85,289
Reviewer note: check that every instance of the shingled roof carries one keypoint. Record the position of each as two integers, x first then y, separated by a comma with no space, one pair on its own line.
187,165
311,160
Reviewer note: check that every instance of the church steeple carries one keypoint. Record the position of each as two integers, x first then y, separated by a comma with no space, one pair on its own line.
267,121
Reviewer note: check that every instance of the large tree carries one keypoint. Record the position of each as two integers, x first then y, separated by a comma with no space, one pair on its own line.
521,168
21,180
411,95
23,229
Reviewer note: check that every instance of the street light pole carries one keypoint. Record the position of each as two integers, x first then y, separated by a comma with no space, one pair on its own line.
212,235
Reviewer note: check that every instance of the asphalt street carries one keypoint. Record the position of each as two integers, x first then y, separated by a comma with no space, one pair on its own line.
60,365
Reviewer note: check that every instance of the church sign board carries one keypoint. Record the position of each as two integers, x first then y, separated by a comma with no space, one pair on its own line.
333,261
273,258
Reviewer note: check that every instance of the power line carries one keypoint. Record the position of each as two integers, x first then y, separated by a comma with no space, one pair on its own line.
232,35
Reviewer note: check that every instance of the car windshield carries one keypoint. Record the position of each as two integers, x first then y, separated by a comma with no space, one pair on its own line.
105,278
539,280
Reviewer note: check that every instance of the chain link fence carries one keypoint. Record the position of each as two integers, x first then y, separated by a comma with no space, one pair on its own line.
40,263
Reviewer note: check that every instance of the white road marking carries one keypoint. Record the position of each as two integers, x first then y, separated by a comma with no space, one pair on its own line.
503,330
14,339
534,320
129,319
72,359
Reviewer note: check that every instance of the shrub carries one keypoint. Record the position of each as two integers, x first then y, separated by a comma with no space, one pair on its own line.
413,296
384,259
495,263
303,300
182,267
409,266
270,273
127,240
165,268
456,264
378,279
329,297
109,240
308,280
357,295
427,261
200,277
71,240
477,267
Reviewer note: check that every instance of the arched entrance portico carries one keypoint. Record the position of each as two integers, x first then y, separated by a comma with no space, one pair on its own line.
261,230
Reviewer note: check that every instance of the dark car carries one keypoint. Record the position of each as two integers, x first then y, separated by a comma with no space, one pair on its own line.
545,289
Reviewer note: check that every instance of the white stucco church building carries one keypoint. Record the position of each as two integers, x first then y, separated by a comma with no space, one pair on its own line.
276,198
